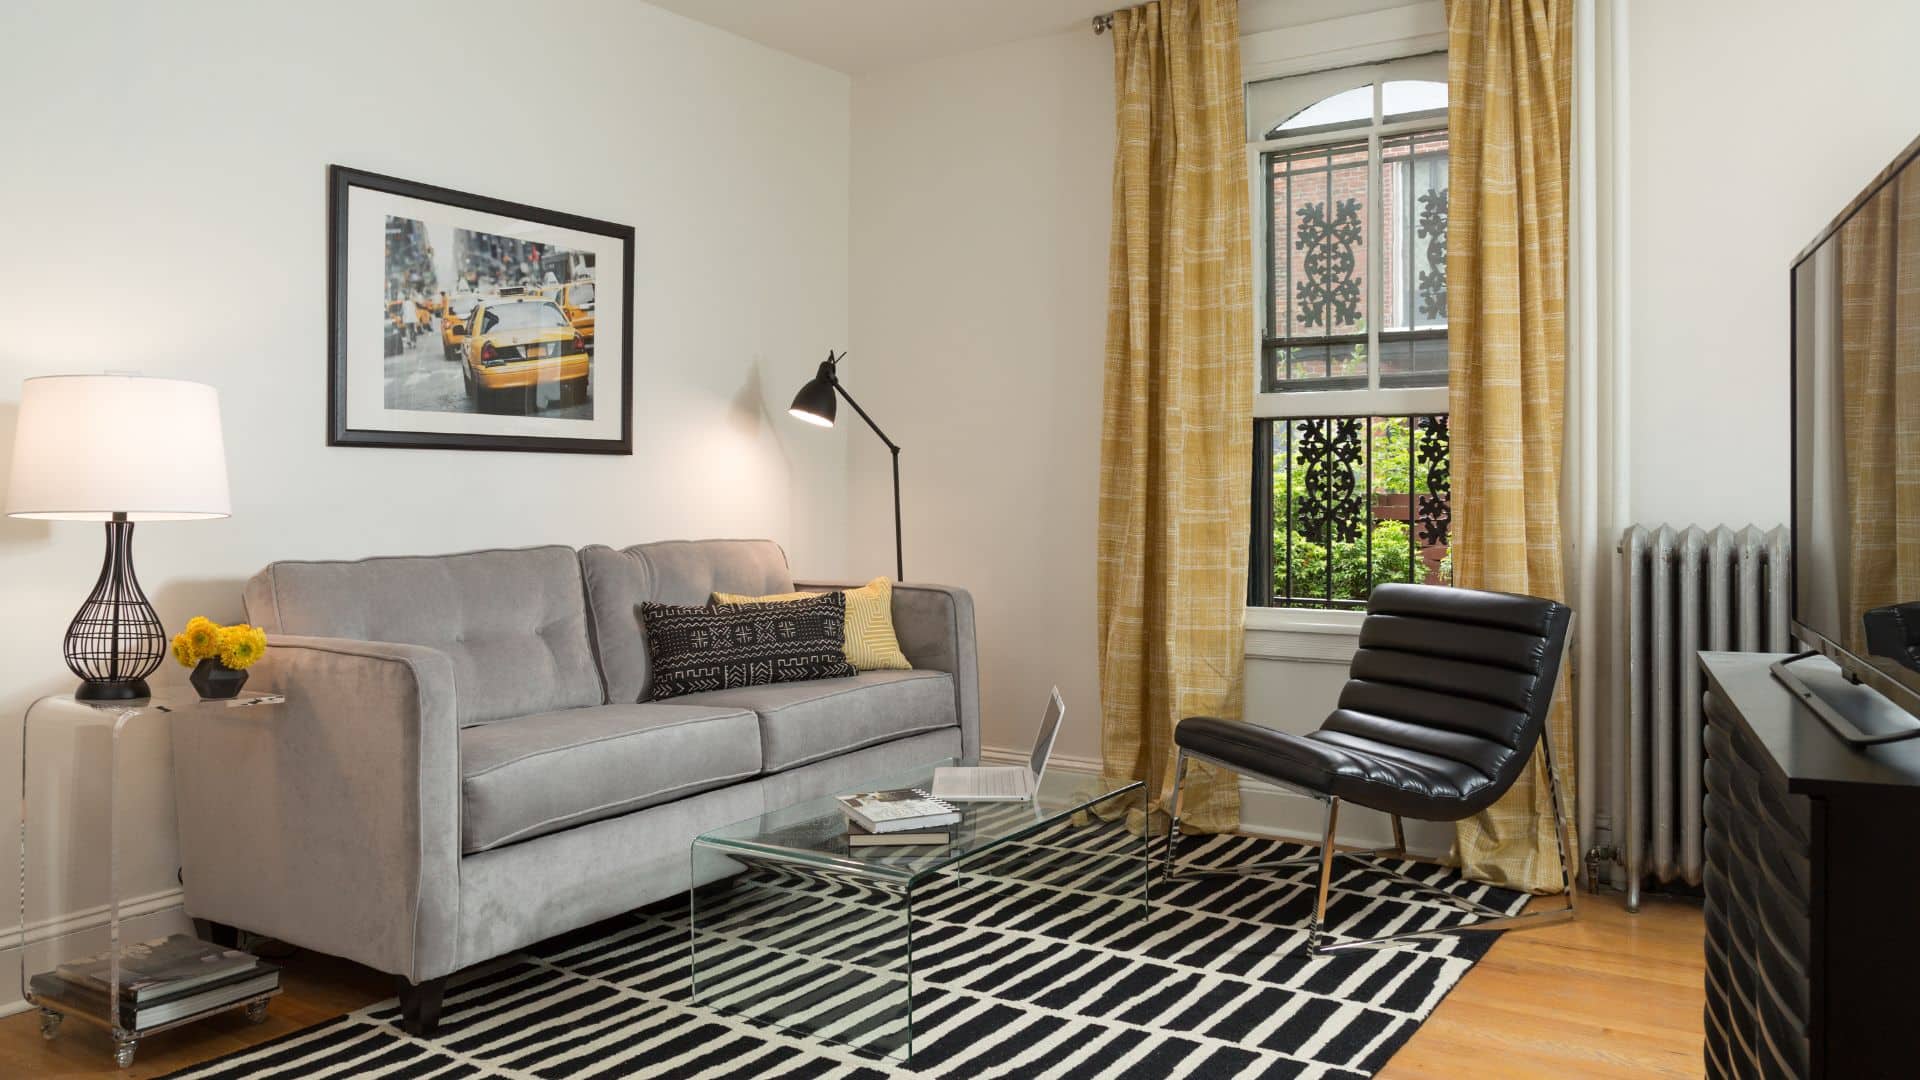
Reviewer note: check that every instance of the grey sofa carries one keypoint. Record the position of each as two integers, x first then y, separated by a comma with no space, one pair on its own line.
467,762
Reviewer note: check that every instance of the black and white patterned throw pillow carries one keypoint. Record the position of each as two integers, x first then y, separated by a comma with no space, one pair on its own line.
720,647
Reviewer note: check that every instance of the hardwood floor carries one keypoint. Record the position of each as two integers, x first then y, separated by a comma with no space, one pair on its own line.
1609,994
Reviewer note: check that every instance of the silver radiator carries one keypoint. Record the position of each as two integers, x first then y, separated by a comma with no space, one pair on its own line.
1686,590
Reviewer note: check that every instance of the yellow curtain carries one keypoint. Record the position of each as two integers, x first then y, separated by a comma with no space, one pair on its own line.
1509,76
1176,442
1880,368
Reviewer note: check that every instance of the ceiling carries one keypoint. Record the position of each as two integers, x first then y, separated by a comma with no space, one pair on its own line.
858,36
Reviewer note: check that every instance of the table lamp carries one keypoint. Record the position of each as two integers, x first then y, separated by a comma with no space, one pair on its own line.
118,449
815,405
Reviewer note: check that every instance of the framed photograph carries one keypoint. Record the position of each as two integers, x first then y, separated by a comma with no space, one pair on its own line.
460,322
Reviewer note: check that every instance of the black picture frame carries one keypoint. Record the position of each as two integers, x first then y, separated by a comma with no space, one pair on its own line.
340,180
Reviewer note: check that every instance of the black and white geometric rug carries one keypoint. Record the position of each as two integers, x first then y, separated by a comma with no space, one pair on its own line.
1035,963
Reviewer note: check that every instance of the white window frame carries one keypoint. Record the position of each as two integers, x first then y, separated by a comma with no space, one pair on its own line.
1373,399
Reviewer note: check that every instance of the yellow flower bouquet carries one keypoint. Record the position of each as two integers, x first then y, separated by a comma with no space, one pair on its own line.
219,655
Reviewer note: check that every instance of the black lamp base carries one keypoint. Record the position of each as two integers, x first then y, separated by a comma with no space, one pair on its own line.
112,690
116,640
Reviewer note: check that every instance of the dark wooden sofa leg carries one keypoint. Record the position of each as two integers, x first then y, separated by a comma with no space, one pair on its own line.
420,1006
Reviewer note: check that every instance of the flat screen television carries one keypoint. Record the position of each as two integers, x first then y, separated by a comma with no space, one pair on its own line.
1856,459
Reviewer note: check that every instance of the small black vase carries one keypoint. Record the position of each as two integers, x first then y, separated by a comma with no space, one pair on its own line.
216,680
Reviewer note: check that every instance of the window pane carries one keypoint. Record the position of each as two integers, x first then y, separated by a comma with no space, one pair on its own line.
1357,501
1351,108
524,315
1413,208
1404,97
1318,292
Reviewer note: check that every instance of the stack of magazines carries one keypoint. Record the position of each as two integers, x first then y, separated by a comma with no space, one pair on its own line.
161,981
900,816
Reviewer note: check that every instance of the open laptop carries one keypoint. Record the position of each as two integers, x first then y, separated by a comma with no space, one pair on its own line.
1004,783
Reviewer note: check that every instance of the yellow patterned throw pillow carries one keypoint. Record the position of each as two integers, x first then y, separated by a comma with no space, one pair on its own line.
871,644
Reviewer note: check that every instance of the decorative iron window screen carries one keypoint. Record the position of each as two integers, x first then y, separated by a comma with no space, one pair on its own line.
1344,503
1351,470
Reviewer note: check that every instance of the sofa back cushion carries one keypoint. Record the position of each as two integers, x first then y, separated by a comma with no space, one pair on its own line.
668,572
514,622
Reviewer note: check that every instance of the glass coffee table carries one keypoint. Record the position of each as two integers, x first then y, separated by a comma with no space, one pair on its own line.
792,927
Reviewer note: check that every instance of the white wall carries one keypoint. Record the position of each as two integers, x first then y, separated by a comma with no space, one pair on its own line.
1751,126
163,205
981,194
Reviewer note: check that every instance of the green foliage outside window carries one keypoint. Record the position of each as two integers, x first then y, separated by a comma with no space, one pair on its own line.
1393,554
1350,579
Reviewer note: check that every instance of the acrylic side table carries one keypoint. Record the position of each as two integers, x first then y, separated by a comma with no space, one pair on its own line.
94,734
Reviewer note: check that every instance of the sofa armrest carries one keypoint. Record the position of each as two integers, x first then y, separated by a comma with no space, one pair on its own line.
331,822
934,624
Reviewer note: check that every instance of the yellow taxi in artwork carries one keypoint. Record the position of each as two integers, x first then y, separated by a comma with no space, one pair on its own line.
512,344
576,299
459,307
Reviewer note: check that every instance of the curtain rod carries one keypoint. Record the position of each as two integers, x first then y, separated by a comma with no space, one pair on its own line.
1103,23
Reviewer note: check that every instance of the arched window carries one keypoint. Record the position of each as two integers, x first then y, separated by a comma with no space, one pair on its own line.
1400,100
1346,109
1412,99
1352,170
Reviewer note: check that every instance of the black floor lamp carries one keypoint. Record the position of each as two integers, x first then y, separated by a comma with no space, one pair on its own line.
814,404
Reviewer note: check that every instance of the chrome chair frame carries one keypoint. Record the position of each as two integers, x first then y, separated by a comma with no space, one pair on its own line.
1318,940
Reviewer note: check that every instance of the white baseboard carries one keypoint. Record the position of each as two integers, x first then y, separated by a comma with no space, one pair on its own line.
1269,810
92,918
1078,766
136,924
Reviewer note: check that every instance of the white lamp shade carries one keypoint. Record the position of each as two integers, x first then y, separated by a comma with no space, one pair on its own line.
92,446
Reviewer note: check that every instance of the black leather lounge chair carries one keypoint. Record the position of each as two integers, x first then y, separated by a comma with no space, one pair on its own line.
1443,706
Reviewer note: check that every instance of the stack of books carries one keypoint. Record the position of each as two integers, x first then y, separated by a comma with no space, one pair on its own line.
899,817
161,981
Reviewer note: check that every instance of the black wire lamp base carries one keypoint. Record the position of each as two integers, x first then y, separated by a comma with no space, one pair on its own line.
115,641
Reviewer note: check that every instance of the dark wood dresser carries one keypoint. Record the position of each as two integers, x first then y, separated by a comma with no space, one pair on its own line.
1812,885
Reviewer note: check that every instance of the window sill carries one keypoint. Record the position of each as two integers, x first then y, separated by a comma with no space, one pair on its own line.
1322,637
1304,620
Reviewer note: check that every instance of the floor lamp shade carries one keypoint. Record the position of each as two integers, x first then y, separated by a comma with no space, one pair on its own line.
117,449
815,403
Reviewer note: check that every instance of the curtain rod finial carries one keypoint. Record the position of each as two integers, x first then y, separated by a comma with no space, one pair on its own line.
1102,23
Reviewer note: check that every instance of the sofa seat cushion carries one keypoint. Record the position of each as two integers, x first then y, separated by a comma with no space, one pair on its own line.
531,775
807,721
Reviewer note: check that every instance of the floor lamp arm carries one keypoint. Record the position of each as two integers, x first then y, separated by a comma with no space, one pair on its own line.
899,558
